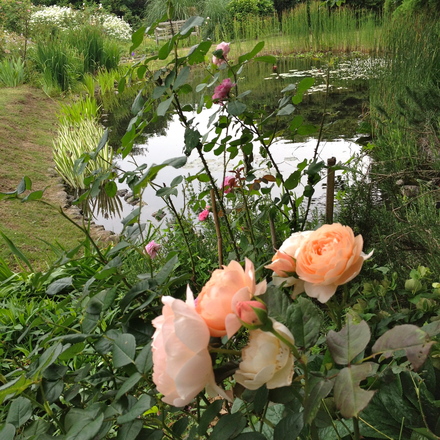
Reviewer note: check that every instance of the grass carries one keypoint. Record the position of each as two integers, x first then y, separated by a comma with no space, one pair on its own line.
27,127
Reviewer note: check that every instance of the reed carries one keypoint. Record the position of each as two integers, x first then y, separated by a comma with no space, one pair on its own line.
72,141
12,72
84,108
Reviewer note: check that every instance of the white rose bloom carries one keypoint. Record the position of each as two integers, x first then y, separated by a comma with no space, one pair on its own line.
266,360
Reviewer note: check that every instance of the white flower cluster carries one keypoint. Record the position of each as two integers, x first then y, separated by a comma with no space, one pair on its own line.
116,27
65,17
59,16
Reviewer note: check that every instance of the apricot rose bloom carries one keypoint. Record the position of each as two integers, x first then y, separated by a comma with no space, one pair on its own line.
329,257
182,366
266,360
284,262
218,299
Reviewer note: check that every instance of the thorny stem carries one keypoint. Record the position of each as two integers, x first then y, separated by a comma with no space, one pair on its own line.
179,220
321,127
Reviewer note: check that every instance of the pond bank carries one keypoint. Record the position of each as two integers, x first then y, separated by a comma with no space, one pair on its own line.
28,125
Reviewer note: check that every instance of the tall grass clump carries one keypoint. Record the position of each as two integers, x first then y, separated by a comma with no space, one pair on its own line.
343,29
84,108
59,64
72,141
12,72
403,187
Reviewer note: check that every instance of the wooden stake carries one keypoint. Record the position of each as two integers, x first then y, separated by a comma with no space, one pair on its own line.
330,195
217,229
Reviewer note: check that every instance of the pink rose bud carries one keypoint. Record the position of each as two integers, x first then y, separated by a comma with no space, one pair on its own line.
245,311
152,248
203,215
228,184
225,48
221,92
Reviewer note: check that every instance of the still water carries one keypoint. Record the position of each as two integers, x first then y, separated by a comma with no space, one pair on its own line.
345,106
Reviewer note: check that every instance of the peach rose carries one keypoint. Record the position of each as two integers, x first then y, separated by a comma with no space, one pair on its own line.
218,299
284,262
330,256
266,360
182,366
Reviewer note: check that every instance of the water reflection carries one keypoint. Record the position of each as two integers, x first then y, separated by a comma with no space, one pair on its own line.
346,103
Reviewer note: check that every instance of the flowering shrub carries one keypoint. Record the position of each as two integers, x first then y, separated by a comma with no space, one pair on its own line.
63,17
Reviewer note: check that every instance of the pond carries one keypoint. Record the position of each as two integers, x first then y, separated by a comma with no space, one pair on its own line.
346,106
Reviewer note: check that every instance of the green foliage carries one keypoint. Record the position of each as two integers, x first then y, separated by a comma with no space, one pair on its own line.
242,9
12,72
14,15
71,150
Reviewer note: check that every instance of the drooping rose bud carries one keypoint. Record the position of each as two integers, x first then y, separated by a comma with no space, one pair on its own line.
247,314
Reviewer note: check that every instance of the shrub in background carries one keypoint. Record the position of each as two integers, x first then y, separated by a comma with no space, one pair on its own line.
14,15
241,9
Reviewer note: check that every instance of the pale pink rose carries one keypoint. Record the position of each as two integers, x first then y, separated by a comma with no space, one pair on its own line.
330,256
221,92
152,248
266,360
225,47
218,299
203,215
284,262
182,366
246,313
229,184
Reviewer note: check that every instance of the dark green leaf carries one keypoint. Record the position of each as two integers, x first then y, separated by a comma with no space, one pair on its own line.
144,360
228,427
266,59
286,110
305,84
7,432
16,251
35,195
138,103
304,321
346,344
191,23
166,192
132,217
318,391
198,52
179,427
289,427
130,430
133,293
19,412
296,122
24,185
166,270
182,77
124,350
59,285
143,404
247,56
128,385
163,107
52,390
85,428
137,37
192,139
236,108
208,416
166,49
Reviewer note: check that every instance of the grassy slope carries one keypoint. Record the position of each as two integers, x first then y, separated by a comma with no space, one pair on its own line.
27,126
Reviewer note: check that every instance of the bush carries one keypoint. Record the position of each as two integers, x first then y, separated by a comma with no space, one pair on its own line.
14,14
241,9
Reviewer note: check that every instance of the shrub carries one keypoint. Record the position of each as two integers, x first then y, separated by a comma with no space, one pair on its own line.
14,14
241,9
